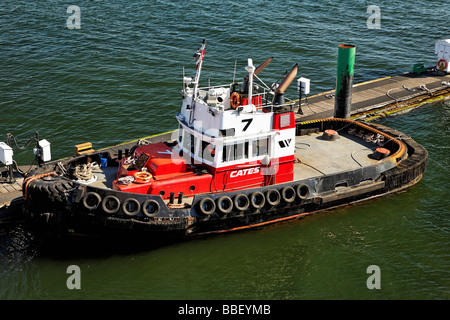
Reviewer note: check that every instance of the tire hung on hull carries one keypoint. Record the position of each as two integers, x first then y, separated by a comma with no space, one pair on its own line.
110,204
224,204
207,206
288,194
241,202
91,200
302,191
151,208
273,197
131,207
257,199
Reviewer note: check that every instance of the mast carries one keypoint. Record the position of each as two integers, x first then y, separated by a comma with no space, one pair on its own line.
198,57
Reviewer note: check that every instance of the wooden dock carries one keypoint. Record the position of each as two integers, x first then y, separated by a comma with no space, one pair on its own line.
381,97
10,196
370,100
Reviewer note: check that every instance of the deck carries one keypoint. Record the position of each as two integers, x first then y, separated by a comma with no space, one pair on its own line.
345,154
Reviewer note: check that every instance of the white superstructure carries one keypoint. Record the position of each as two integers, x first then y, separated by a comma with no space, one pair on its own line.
219,131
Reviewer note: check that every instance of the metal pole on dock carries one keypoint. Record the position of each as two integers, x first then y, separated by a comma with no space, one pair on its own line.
344,81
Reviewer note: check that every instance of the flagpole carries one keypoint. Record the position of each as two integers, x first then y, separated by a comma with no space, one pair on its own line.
198,56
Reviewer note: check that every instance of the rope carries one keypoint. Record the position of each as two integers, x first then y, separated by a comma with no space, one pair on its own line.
24,173
308,165
178,205
142,142
423,87
387,93
9,136
125,180
83,172
410,90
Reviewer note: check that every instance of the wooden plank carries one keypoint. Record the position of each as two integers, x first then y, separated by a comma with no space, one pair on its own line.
9,188
17,186
3,189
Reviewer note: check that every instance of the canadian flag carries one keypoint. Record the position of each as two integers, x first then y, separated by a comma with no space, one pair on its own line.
200,58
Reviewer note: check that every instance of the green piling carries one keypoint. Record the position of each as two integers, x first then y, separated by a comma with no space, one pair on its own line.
344,81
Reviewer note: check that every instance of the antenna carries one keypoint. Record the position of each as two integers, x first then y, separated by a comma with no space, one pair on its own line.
234,73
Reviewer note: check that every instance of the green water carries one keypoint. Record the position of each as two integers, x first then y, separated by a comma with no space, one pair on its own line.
117,78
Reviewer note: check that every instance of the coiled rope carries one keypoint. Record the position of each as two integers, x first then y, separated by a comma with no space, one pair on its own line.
83,172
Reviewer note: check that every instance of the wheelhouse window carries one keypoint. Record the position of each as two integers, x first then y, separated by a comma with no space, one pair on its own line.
228,153
208,151
180,133
189,142
236,151
260,147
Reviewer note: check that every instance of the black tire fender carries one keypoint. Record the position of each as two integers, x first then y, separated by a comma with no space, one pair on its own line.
257,199
273,197
155,208
131,212
288,194
53,188
91,200
111,199
225,204
302,191
241,202
207,206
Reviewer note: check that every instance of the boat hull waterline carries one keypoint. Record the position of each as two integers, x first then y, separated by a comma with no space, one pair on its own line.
56,204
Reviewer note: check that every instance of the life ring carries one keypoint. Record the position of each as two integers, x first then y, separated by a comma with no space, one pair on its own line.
225,204
235,100
91,200
110,204
257,199
142,177
442,64
273,197
151,208
129,211
241,202
207,206
288,194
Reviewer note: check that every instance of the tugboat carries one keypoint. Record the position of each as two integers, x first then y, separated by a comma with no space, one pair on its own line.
238,160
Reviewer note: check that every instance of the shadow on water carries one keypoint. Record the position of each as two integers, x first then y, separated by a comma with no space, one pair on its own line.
17,272
19,244
69,248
